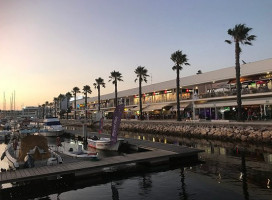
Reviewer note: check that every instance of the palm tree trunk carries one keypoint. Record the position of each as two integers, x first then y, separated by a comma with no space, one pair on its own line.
98,97
178,103
55,109
238,83
67,105
116,93
75,107
60,107
140,98
86,105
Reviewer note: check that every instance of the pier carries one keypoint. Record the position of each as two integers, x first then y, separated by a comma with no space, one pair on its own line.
153,153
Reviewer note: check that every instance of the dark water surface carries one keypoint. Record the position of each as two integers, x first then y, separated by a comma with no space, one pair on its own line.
229,171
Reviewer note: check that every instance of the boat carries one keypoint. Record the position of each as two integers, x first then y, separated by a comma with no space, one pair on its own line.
113,143
75,150
81,154
28,131
51,127
104,143
30,151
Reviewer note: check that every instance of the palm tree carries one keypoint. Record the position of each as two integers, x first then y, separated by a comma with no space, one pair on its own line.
141,76
114,77
55,105
46,108
99,82
86,89
43,106
39,111
179,59
74,92
50,108
239,34
68,97
60,98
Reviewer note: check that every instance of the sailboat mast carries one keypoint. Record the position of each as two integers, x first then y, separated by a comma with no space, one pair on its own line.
14,104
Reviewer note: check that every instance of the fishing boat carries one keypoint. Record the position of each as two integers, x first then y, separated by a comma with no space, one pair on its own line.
113,143
51,127
30,151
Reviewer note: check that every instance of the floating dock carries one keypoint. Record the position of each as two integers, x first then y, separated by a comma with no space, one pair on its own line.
152,153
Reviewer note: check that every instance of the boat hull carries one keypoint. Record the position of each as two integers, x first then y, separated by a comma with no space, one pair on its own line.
104,144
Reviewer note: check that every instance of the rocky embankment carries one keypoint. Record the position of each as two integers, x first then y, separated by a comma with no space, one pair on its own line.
226,132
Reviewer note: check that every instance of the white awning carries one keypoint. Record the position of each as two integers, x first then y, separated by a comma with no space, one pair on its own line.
138,108
156,107
182,106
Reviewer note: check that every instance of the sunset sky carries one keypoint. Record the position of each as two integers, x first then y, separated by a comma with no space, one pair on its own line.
47,47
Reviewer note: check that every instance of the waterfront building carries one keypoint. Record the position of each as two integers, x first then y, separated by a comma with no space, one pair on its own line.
210,96
30,112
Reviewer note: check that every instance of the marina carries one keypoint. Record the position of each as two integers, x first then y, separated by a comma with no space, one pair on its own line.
135,100
153,153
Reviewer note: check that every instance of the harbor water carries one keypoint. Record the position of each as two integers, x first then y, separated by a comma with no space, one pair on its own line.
226,171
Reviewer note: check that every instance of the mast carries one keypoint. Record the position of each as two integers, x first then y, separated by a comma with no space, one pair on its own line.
14,104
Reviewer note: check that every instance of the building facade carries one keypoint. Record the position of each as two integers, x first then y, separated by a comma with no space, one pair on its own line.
210,96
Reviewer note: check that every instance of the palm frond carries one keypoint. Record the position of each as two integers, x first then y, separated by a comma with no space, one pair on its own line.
248,43
228,41
251,37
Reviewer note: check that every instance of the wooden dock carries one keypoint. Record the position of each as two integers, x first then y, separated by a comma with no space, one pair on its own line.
155,153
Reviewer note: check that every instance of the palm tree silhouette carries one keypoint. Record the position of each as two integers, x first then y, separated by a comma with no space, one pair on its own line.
114,78
86,89
68,97
74,92
43,107
141,76
179,59
99,82
239,34
46,108
60,98
55,105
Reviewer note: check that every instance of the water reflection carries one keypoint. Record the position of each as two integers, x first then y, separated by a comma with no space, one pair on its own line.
115,193
183,193
145,185
225,160
244,176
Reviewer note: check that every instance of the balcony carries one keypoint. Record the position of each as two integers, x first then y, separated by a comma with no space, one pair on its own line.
233,92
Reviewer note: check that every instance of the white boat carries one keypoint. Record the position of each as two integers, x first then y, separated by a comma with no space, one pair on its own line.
104,143
112,143
76,151
51,127
30,151
82,154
